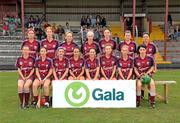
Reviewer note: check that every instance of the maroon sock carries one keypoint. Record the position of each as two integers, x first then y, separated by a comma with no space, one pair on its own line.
152,99
35,98
46,98
21,97
27,98
138,99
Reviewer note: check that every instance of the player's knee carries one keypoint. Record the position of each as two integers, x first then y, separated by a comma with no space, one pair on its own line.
102,78
70,78
114,78
82,78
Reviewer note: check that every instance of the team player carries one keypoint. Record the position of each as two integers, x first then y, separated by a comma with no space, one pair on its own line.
92,66
68,45
43,67
61,65
151,49
107,40
76,66
131,44
49,43
144,65
108,64
25,65
32,43
89,44
125,64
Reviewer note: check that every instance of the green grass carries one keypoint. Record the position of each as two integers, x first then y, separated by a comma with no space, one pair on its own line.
163,113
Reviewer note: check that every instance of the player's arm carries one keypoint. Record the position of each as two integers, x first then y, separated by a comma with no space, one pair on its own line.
152,67
130,74
49,74
65,74
137,73
20,73
88,74
30,74
120,73
38,74
104,75
54,73
97,73
72,74
113,73
82,72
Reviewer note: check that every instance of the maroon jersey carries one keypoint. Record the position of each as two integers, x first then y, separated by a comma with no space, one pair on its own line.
68,48
60,66
103,42
33,47
76,66
107,64
25,65
131,47
92,66
151,49
143,65
43,66
86,47
126,66
51,47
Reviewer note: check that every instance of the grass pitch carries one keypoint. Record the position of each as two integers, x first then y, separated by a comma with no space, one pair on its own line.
163,113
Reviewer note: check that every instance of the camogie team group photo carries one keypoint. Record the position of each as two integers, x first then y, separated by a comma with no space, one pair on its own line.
89,61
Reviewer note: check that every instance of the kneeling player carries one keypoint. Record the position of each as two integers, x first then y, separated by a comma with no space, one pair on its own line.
144,65
25,65
125,64
43,67
108,64
76,66
61,65
92,66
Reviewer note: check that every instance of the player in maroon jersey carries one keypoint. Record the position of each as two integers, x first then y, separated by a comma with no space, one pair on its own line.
107,40
131,44
76,66
68,45
61,65
32,43
108,64
92,66
89,44
49,43
151,49
25,65
144,65
125,64
43,67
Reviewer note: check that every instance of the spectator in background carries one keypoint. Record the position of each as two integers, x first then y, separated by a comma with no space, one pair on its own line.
12,28
103,21
88,21
128,23
67,27
177,33
83,21
96,35
56,31
116,38
37,21
171,33
5,28
61,32
98,20
93,21
169,19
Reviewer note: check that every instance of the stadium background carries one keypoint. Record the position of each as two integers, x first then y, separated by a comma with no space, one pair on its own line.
61,11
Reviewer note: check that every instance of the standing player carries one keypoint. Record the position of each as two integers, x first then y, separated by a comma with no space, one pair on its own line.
107,40
68,45
92,66
61,65
131,44
25,65
43,67
125,64
49,43
151,48
32,43
76,66
144,66
108,64
89,44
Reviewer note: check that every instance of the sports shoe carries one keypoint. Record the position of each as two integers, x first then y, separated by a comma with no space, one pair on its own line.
46,104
